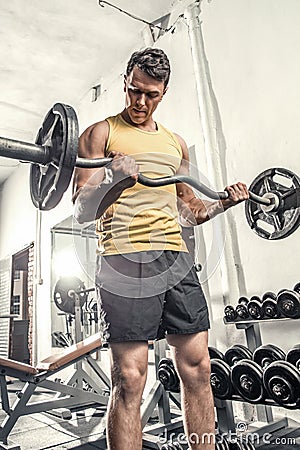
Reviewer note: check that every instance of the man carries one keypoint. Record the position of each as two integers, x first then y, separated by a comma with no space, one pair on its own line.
146,282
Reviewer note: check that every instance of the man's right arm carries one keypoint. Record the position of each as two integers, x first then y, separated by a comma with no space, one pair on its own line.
92,194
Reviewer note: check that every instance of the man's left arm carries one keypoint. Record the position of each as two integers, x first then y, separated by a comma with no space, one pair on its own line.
194,211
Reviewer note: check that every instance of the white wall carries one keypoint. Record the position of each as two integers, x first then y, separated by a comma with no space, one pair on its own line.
252,49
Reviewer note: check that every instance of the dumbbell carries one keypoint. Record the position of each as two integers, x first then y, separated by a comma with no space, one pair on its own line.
288,302
247,376
254,307
269,306
219,375
230,313
167,375
282,379
214,353
220,378
235,353
235,356
241,309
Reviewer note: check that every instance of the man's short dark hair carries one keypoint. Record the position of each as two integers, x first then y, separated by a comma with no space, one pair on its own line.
153,61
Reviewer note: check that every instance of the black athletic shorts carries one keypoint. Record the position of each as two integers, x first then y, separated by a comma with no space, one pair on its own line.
145,295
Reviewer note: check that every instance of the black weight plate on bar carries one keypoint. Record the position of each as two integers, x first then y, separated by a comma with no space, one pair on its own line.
220,379
59,132
288,303
167,375
214,353
282,381
285,220
266,354
247,379
237,352
63,300
293,356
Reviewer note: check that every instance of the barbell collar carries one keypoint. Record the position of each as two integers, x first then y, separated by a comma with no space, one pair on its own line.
25,151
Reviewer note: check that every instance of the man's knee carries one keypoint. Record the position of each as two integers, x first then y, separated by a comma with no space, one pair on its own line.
195,371
129,381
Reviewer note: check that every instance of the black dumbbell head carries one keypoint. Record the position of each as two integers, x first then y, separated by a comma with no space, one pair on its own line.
293,356
269,295
237,352
247,380
282,381
288,303
255,308
243,301
270,309
220,379
167,375
266,354
214,353
230,313
242,311
297,288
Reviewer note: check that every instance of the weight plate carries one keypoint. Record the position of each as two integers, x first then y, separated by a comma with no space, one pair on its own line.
266,354
220,379
62,298
167,375
278,222
247,379
214,353
288,303
293,356
282,381
236,353
59,132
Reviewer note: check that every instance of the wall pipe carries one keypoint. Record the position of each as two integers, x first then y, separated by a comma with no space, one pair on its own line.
230,266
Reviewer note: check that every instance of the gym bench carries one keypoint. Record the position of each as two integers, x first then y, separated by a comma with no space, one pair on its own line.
79,391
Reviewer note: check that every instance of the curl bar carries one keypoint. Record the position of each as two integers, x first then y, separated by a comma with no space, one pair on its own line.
273,211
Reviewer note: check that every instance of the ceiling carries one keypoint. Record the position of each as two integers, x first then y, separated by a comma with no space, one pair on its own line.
57,50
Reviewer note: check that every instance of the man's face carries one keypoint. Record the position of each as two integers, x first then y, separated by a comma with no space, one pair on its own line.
143,94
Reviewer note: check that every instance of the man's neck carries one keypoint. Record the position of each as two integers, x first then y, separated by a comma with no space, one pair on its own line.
149,126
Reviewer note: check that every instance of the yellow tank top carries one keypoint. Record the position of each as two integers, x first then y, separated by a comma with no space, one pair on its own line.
143,218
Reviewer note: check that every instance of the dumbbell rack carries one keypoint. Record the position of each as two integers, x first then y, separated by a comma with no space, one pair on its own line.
264,411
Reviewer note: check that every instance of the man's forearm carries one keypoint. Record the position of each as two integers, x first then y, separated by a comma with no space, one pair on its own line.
198,211
92,201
